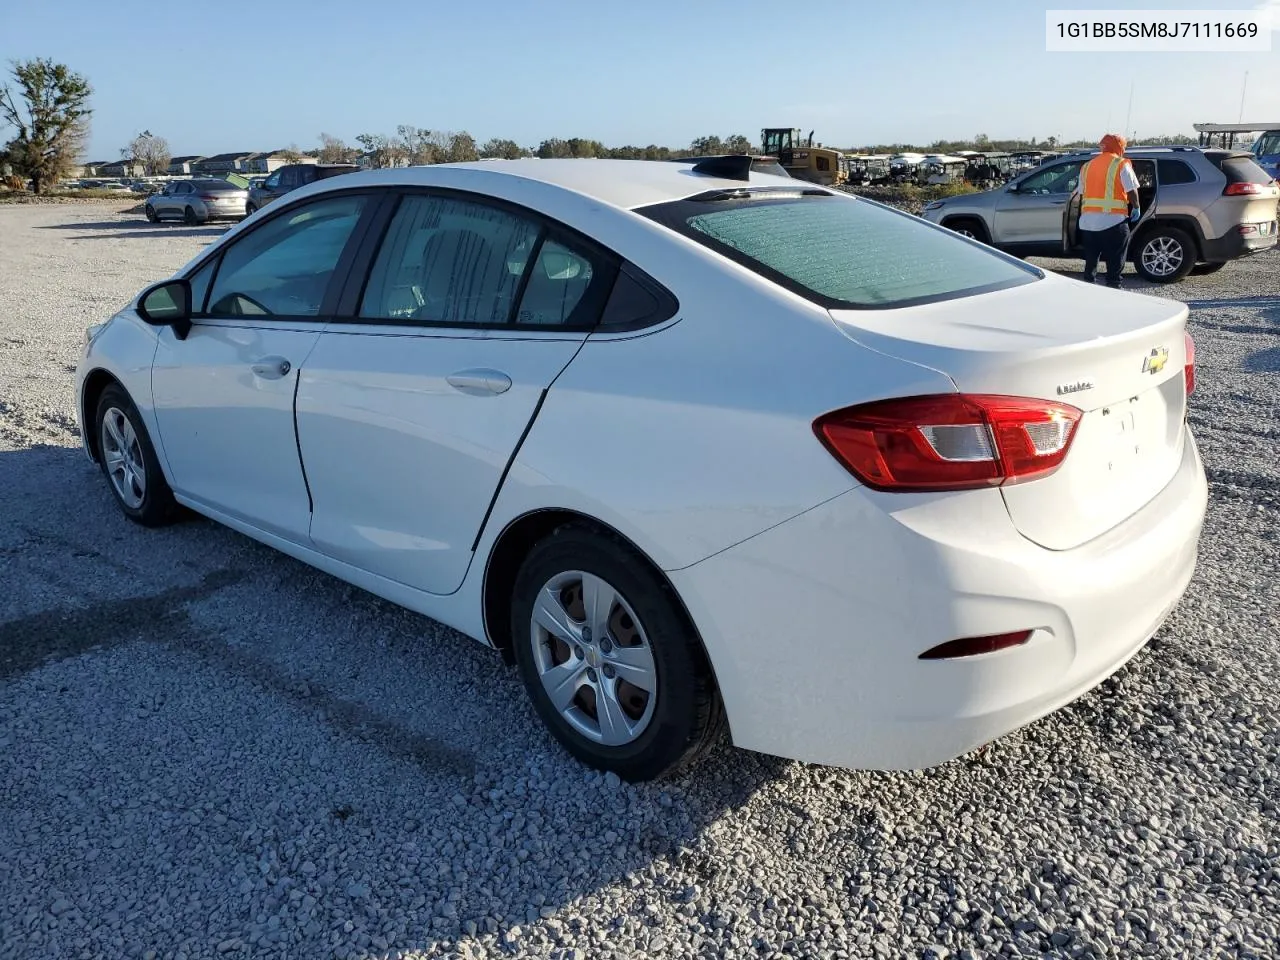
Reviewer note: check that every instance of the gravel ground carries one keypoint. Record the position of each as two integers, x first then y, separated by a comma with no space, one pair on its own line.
210,750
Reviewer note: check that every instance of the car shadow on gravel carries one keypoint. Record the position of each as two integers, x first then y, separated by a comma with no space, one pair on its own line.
131,229
425,739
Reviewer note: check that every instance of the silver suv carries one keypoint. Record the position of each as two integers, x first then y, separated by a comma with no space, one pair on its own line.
1201,209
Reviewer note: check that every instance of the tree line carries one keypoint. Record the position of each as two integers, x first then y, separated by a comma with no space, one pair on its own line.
48,107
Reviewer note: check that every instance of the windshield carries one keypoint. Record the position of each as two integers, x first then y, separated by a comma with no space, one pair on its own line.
841,252
1268,144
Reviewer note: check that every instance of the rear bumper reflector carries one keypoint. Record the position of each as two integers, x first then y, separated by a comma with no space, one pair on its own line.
974,646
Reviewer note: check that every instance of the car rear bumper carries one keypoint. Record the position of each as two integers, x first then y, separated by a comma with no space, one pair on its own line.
814,627
1234,245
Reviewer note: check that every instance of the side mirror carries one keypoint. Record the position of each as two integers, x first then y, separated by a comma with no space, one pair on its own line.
168,304
1012,188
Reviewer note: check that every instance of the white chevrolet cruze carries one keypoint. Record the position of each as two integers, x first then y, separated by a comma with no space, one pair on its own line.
691,444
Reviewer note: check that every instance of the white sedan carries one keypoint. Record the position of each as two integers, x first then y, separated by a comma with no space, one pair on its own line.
690,444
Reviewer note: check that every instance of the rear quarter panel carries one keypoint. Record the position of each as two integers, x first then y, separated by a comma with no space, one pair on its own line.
697,435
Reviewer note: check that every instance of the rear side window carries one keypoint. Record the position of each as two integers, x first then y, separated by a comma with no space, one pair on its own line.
457,262
844,253
1172,172
446,261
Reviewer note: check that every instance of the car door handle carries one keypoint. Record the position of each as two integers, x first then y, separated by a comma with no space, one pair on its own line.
480,382
271,368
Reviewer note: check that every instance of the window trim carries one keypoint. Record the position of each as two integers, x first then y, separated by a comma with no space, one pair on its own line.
672,212
328,303
352,295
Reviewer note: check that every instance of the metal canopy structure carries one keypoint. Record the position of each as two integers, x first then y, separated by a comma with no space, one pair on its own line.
1226,133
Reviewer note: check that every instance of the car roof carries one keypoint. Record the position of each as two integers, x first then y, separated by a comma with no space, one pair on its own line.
620,183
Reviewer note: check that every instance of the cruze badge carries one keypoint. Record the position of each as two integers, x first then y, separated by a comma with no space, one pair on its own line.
1076,387
1154,361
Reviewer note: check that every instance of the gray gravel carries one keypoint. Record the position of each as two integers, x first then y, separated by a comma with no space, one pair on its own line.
210,750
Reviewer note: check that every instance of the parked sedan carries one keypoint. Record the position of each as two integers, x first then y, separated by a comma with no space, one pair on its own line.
197,201
691,445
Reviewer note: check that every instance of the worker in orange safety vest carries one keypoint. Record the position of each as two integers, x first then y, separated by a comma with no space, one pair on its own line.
1108,191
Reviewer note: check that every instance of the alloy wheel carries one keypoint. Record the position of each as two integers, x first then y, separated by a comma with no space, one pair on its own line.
1162,256
123,457
594,658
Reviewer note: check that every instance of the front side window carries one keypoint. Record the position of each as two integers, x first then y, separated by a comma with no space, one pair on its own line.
272,181
284,267
1060,178
449,261
843,253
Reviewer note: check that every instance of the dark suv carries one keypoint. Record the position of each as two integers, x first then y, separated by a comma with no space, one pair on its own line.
290,178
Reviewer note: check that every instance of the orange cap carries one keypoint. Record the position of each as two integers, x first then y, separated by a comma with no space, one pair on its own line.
1113,143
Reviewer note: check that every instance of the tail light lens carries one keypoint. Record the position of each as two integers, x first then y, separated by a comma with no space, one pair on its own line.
1242,190
1189,371
208,197
949,441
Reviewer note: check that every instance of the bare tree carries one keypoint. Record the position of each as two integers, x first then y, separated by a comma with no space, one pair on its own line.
51,113
383,151
150,151
291,153
333,150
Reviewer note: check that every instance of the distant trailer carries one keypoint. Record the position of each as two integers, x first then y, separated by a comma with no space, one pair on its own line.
1223,135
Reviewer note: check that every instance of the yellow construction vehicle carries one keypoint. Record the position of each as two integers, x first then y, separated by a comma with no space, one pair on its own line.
801,157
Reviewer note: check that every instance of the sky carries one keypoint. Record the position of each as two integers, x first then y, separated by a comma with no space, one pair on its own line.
275,74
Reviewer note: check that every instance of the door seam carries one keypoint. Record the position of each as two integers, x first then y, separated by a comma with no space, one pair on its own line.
297,445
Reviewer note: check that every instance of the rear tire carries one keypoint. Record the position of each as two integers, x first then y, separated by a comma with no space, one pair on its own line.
601,719
129,461
1163,254
1202,269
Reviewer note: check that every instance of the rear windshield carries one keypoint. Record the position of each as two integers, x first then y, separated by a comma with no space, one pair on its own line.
216,185
1239,168
844,253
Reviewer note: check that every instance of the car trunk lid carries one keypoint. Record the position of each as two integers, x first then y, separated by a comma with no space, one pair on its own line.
1117,357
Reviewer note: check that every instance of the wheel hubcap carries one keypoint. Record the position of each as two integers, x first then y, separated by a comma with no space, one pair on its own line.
593,658
1162,256
122,455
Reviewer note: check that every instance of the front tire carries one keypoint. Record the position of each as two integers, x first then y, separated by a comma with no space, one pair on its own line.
610,660
250,209
969,227
1163,254
152,215
189,217
129,461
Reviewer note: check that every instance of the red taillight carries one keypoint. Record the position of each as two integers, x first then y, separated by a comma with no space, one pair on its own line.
973,646
949,441
1242,190
208,197
1189,370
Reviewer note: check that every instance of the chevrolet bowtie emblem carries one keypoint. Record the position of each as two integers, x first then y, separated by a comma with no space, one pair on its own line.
1154,361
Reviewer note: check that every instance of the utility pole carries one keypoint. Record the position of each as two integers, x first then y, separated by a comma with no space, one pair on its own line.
1244,86
1129,112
